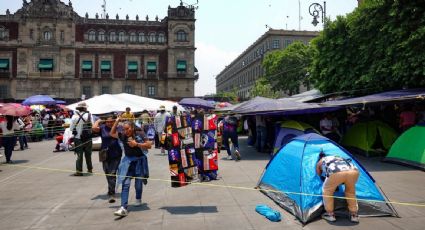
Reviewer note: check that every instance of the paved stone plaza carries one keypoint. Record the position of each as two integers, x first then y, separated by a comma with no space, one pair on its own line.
47,197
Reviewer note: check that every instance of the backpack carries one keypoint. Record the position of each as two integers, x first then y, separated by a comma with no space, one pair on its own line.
86,133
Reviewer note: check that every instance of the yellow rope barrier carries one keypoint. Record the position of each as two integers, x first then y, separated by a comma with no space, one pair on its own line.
226,186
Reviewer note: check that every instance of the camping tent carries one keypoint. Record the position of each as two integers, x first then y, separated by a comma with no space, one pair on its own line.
409,148
290,180
368,136
289,129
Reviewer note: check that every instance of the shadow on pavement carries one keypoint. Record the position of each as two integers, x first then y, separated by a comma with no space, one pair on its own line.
189,210
15,162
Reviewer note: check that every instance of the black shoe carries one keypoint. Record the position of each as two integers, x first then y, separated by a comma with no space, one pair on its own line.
90,170
111,199
9,162
77,174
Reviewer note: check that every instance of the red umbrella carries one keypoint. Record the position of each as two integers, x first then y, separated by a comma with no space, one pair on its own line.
14,109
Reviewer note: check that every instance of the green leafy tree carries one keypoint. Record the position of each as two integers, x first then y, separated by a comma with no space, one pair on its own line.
286,70
230,96
263,88
379,46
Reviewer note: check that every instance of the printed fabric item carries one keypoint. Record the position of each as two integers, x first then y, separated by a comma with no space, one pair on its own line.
334,164
197,125
151,132
173,155
208,140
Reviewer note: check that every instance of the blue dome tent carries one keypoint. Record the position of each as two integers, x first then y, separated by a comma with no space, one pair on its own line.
290,180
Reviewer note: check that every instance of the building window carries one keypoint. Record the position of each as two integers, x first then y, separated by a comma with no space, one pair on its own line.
31,34
4,33
105,90
105,67
151,90
121,37
47,35
275,44
128,89
152,37
87,91
151,67
288,42
132,66
92,36
142,37
4,65
181,36
133,37
87,66
161,38
45,65
4,91
101,36
181,66
112,37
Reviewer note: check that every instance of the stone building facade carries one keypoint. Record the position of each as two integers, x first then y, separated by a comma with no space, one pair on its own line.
241,73
47,48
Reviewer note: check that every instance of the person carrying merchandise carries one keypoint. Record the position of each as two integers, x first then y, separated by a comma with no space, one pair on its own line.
337,171
230,124
159,124
133,164
128,115
113,152
81,127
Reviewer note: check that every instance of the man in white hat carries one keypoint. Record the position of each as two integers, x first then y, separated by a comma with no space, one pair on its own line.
159,123
81,125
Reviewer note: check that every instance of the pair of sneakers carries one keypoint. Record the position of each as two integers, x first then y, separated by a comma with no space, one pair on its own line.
237,154
124,212
354,217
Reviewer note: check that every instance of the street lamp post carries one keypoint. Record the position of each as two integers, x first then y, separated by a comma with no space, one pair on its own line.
315,9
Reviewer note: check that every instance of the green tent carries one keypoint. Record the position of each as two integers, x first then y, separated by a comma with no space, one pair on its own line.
409,148
370,136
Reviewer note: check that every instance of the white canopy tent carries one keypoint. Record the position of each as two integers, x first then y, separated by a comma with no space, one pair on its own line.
108,103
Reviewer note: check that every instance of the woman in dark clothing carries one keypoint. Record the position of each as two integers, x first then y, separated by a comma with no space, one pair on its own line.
114,153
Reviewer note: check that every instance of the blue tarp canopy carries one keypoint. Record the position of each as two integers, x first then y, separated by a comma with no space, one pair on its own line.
197,103
263,106
390,96
39,100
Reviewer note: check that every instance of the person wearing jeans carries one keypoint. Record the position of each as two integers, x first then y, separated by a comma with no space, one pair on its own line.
133,164
230,131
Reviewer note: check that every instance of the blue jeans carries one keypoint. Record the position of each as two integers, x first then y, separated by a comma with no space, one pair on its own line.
233,137
261,138
126,185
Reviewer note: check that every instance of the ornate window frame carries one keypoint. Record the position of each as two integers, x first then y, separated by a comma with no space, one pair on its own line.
152,37
101,36
161,37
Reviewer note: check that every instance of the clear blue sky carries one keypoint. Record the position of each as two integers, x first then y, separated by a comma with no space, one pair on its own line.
224,28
